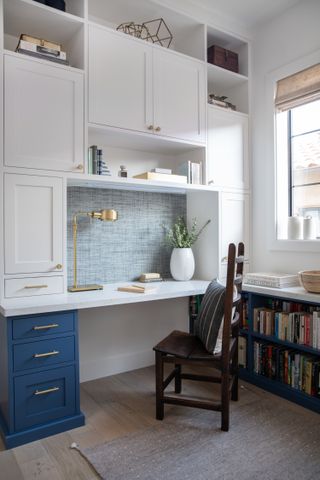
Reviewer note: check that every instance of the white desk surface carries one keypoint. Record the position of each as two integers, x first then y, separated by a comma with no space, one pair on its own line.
292,293
100,298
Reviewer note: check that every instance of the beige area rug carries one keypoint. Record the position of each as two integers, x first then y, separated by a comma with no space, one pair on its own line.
269,439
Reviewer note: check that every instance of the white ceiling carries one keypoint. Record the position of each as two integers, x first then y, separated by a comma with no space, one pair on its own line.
248,12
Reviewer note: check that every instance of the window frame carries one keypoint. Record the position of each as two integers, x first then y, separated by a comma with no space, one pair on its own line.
271,163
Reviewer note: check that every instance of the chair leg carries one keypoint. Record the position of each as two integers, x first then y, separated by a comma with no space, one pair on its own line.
159,387
177,379
225,400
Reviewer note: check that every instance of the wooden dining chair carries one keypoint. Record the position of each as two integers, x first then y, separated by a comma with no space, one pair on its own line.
220,310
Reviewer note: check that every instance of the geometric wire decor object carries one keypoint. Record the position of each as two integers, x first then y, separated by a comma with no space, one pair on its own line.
154,31
158,32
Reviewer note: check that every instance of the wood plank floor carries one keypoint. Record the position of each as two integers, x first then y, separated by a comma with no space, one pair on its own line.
113,406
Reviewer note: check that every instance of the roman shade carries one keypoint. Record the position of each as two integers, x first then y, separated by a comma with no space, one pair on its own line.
298,89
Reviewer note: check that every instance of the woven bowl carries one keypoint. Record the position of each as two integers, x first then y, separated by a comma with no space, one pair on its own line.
310,280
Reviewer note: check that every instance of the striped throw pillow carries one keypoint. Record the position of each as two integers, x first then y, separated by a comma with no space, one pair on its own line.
210,316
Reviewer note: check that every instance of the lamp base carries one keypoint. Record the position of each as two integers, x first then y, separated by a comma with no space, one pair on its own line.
85,288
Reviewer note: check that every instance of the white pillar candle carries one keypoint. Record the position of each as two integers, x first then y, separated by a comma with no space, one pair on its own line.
309,228
295,228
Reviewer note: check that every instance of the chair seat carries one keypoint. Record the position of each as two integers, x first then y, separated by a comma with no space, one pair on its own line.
185,345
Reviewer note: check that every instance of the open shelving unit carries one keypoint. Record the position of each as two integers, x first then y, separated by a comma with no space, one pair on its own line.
262,299
38,20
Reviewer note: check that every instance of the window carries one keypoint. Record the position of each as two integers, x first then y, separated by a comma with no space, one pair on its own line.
298,148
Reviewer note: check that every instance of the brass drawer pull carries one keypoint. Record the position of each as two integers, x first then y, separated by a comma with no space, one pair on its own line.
45,392
36,286
48,354
158,129
224,259
45,327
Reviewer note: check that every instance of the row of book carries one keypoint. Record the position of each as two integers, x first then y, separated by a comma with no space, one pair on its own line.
96,164
297,327
298,370
242,352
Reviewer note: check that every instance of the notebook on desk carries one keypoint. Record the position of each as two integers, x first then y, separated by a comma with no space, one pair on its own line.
137,289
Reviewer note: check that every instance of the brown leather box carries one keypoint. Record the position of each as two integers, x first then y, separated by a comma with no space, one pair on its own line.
223,58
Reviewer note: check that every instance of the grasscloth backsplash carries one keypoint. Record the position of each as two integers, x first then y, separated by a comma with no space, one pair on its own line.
121,250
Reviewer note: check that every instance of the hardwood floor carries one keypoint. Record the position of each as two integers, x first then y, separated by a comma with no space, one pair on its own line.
114,406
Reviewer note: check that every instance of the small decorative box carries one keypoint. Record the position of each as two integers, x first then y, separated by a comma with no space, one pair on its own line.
223,58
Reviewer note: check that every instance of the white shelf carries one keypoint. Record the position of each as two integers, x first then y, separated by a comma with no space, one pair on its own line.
292,293
100,298
101,181
42,60
33,18
117,137
220,78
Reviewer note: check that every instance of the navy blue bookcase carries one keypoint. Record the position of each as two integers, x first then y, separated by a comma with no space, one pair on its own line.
248,374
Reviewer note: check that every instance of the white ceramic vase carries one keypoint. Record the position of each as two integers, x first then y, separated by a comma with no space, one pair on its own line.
182,264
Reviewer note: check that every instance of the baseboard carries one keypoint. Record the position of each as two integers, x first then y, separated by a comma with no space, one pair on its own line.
106,366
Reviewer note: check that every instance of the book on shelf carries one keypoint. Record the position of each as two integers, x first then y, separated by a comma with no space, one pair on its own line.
52,53
291,367
191,170
299,327
273,280
242,352
162,177
96,164
168,171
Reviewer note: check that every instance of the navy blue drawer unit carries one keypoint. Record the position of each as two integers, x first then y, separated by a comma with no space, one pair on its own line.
39,376
43,353
45,396
36,326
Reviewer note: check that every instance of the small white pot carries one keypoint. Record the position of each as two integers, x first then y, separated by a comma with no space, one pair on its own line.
182,264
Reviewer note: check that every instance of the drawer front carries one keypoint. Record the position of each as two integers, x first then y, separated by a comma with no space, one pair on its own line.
44,353
36,326
30,287
44,397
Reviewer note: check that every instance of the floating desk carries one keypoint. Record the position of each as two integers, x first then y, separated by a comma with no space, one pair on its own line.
39,359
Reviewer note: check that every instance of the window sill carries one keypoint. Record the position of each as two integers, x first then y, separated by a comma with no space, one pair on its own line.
304,246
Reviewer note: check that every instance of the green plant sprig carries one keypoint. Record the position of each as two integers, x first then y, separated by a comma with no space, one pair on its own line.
180,237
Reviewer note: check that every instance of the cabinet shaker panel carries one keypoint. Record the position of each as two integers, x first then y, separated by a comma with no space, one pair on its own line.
33,224
43,116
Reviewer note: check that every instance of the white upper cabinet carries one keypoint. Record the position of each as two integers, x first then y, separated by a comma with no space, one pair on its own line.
135,86
120,81
179,96
44,119
227,156
33,224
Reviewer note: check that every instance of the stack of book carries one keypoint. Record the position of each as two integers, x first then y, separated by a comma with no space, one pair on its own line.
272,280
191,170
39,48
96,164
162,177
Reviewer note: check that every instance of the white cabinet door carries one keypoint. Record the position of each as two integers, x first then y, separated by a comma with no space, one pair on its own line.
227,156
120,80
234,222
44,119
179,96
33,224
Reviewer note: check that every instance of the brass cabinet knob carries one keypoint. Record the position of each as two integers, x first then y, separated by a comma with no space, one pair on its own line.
80,166
210,182
150,127
158,129
59,266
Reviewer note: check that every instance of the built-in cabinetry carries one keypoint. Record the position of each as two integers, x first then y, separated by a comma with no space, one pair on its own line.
39,380
146,107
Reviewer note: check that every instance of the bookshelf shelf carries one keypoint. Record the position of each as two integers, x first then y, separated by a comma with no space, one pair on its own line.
256,355
278,341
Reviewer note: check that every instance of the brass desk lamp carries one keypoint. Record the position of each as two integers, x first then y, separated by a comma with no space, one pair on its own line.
103,215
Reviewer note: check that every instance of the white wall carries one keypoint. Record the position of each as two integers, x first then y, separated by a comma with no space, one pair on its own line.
121,338
287,39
